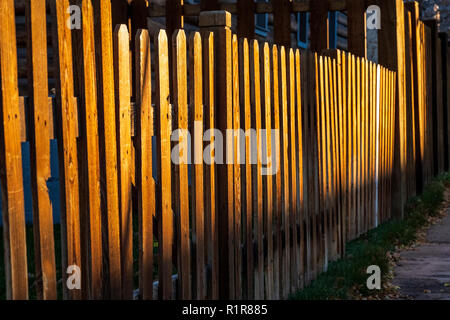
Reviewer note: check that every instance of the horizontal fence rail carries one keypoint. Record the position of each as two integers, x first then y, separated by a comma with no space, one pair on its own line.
239,170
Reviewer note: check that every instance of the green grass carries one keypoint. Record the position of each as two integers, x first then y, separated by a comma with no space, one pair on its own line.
348,274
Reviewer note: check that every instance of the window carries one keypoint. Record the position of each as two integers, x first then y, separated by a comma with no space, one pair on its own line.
262,22
302,29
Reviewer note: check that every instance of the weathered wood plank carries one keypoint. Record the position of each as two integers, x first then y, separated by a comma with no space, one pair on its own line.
210,172
257,176
246,22
123,118
91,162
286,208
181,179
278,266
237,170
13,207
356,27
224,120
301,257
144,164
246,121
282,22
40,149
319,25
293,172
67,144
196,125
163,133
270,167
392,55
108,144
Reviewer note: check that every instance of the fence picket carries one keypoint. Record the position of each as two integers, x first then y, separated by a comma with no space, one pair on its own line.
268,180
123,118
181,179
90,154
196,126
163,133
13,207
66,124
40,150
144,163
246,120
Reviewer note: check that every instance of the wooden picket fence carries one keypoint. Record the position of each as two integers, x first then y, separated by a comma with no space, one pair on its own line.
139,226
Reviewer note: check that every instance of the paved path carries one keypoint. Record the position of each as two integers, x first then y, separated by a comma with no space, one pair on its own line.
422,273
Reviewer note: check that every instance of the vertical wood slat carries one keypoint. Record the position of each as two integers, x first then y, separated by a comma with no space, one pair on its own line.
321,157
301,257
123,118
108,145
271,166
163,133
392,55
210,174
319,25
330,162
11,161
410,43
174,16
358,148
181,179
246,121
91,152
315,175
196,112
67,144
144,164
40,149
335,166
285,169
278,285
282,22
356,15
246,21
257,177
323,160
293,172
237,170
354,159
224,120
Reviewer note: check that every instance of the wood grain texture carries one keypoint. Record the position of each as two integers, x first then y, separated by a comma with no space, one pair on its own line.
11,161
237,170
144,163
91,161
123,118
163,133
247,202
181,171
108,145
40,149
271,168
211,219
66,124
257,173
197,125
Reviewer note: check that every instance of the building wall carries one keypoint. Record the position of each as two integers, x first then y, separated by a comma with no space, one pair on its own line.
437,9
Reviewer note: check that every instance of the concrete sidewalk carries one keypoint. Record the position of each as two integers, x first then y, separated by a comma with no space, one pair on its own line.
424,273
